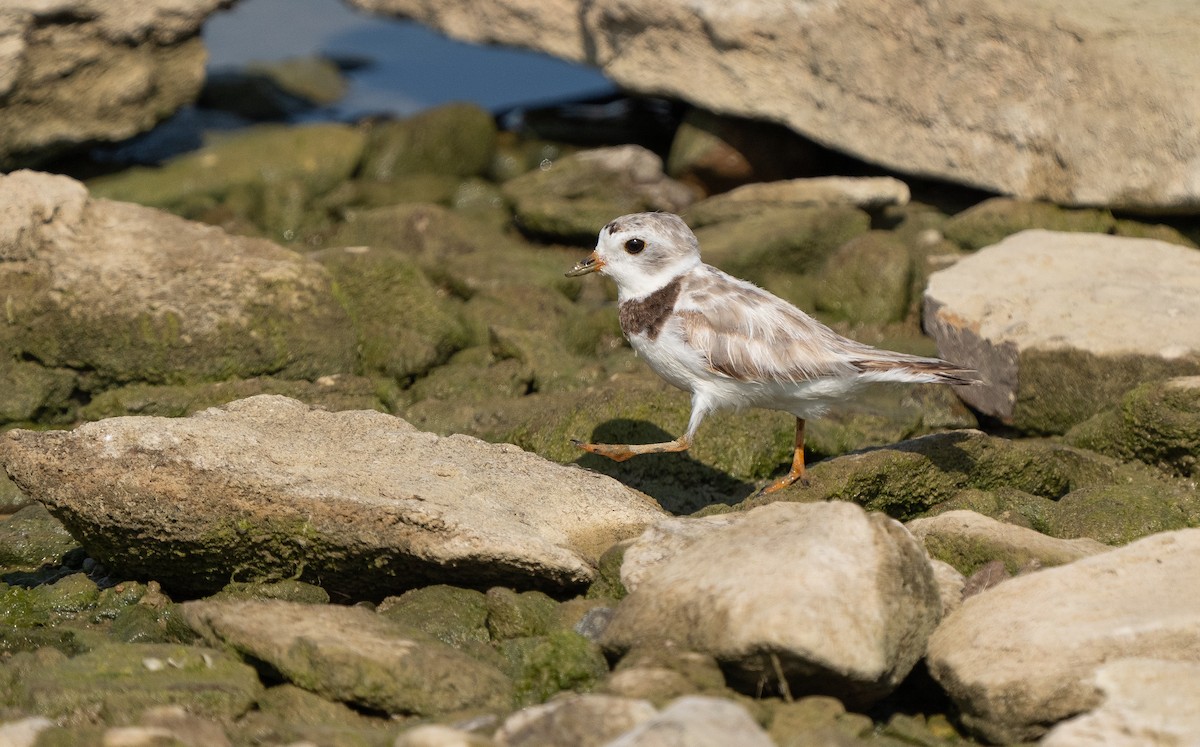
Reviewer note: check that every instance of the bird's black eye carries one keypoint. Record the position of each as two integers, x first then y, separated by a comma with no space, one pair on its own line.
633,246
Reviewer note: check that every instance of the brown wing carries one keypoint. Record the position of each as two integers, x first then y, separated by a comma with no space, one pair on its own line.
746,333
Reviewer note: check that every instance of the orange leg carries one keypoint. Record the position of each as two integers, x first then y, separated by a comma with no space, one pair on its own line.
621,452
797,471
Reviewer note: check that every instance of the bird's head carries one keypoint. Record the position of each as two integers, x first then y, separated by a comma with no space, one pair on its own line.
642,252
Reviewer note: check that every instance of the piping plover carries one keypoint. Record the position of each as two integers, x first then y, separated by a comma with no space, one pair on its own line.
729,342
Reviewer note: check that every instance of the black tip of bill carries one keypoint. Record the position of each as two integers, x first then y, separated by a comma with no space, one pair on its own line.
584,267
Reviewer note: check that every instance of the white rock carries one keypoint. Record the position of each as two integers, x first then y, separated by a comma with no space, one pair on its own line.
23,732
436,735
579,720
833,599
697,721
1147,703
1021,656
361,502
1035,98
1041,310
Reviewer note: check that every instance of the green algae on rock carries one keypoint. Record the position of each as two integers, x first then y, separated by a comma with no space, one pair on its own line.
453,139
866,280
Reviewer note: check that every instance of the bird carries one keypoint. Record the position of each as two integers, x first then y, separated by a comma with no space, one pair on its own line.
730,343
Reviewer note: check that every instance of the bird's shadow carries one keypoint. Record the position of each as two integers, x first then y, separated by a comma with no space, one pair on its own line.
680,483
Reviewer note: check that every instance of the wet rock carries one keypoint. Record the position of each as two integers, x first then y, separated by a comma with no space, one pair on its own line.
866,280
116,682
334,392
697,720
455,139
32,537
119,293
384,508
993,220
844,75
405,325
572,198
867,193
353,655
267,175
967,541
1056,347
1147,703
780,239
1157,423
1021,656
581,720
849,566
275,90
77,74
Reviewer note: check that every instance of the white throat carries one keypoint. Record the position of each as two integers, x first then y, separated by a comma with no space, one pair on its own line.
634,283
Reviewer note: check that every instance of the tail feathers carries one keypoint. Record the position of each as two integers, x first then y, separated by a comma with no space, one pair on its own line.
915,369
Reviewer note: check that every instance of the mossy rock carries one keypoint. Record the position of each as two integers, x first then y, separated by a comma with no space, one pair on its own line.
866,280
116,682
475,375
1120,513
512,614
662,673
608,584
992,220
571,199
452,615
313,158
818,719
30,392
405,325
286,714
780,240
289,590
360,194
542,666
455,139
31,538
337,392
1157,423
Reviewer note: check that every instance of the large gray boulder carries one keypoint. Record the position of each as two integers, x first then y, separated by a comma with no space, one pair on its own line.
78,71
359,502
1015,97
823,596
1061,325
1021,656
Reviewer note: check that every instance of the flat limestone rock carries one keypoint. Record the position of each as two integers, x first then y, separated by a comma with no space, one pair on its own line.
359,502
1061,325
1041,99
352,654
76,71
1147,703
833,599
1021,656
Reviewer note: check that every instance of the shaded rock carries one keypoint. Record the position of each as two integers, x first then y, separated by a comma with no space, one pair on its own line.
1157,423
276,89
867,193
286,714
457,139
32,537
93,72
119,293
288,590
866,280
572,198
779,239
266,175
698,721
993,220
116,682
967,541
716,153
31,392
580,720
1020,657
1057,346
661,671
910,87
848,566
817,721
353,655
1147,703
237,490
405,325
334,392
